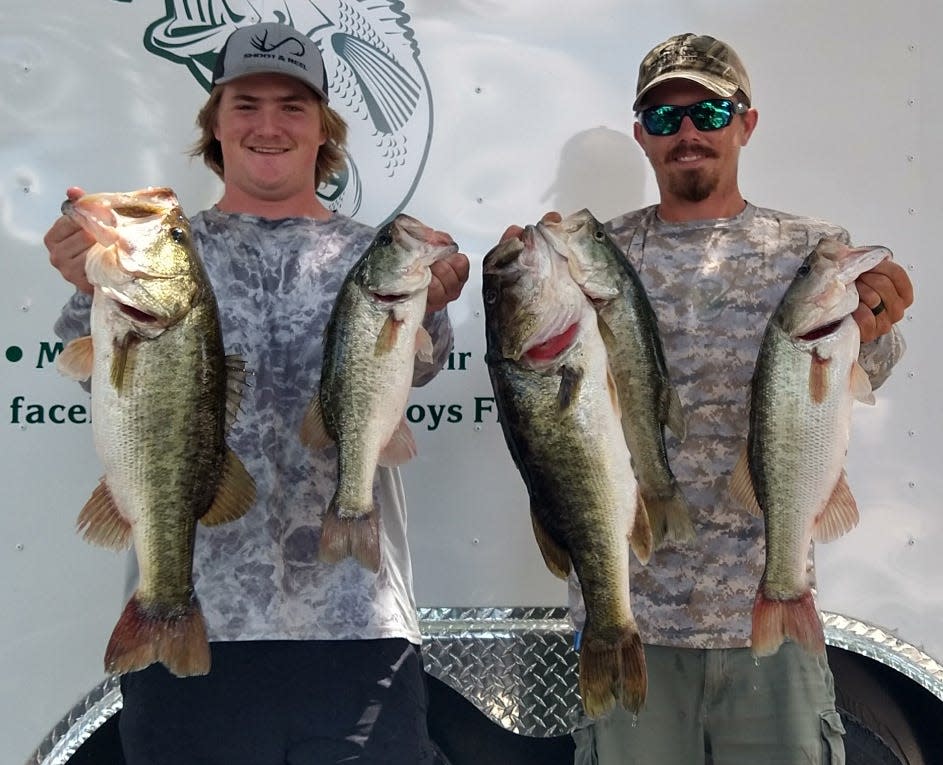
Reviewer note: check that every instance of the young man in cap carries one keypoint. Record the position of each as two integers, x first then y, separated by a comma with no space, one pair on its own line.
311,662
715,267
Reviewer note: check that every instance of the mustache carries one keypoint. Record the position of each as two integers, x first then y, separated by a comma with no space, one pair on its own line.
686,147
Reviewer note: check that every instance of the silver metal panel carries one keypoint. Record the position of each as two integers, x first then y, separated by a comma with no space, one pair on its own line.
73,730
516,665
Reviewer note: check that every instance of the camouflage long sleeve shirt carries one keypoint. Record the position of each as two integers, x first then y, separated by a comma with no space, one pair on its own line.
258,578
713,285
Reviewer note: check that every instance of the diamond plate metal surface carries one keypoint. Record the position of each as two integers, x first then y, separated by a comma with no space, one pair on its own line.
517,665
79,724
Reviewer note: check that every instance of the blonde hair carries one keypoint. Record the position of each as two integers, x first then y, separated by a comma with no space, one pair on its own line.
331,156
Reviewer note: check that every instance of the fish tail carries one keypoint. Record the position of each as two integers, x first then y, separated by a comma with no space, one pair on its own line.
670,517
775,620
612,670
173,636
346,534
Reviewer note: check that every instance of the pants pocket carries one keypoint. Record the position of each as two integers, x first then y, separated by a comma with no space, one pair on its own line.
833,748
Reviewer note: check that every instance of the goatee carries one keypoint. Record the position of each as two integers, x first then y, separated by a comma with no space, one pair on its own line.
692,185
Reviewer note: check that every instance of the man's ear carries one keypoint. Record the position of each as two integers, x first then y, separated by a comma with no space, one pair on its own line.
750,118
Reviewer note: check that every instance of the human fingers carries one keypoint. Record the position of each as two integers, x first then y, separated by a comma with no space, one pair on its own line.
885,292
886,288
67,244
448,278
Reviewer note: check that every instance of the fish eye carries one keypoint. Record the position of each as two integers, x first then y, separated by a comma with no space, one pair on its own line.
599,235
490,296
804,269
384,240
177,234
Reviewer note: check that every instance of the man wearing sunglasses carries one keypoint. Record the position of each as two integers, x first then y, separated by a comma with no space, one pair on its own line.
715,266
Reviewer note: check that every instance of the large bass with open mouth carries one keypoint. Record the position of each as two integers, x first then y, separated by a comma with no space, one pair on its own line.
163,393
559,410
805,381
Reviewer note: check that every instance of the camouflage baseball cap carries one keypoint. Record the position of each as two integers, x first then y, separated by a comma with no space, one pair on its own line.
699,58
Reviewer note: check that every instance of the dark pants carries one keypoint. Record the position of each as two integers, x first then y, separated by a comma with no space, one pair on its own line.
282,703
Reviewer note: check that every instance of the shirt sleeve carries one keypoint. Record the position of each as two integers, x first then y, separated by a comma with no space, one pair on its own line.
74,321
879,357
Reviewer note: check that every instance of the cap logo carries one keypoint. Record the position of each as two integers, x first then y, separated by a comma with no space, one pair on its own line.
260,43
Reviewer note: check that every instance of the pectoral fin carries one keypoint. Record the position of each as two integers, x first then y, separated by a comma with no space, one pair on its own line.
122,360
424,348
861,385
389,333
570,381
77,359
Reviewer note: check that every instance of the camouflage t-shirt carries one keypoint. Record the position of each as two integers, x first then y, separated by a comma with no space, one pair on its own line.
258,578
713,285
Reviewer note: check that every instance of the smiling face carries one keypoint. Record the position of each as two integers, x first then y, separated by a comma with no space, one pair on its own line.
696,171
270,130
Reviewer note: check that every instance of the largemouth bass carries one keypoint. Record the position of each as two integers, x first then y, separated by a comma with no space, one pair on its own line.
630,330
162,395
806,379
559,412
373,337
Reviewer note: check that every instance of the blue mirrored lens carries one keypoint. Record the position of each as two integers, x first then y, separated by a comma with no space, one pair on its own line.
711,114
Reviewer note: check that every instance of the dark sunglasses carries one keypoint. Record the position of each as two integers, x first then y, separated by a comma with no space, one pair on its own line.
711,114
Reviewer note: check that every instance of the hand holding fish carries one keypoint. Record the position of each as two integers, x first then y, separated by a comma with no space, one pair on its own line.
67,243
885,292
448,278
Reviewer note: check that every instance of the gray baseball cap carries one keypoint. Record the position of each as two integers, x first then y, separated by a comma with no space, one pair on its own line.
699,58
271,48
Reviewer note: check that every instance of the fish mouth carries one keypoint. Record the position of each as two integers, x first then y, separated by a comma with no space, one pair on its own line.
392,297
502,255
835,296
412,233
548,350
123,219
822,331
136,315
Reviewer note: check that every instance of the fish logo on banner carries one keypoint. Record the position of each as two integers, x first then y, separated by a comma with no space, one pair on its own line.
375,81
